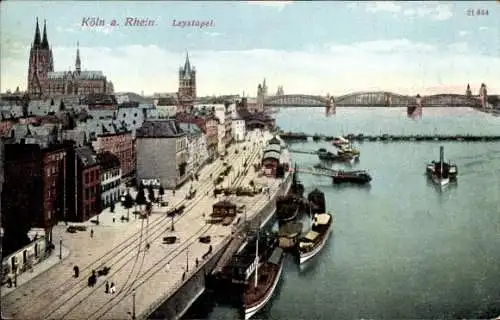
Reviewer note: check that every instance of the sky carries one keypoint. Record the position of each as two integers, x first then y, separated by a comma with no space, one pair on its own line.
307,47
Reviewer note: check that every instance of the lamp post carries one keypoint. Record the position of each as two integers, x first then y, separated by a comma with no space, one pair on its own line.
133,304
60,247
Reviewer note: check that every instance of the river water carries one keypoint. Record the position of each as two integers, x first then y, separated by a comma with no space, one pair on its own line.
401,248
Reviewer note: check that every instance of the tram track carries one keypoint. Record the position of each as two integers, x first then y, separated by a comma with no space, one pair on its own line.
155,232
162,263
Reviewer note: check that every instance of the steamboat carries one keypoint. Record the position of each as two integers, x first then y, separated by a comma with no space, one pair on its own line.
262,283
441,172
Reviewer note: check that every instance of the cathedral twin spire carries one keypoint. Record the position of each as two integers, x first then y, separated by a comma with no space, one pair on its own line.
44,42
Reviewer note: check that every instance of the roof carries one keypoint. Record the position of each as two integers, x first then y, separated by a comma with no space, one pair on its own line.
107,160
274,140
322,218
271,154
311,235
273,147
159,129
78,136
83,75
276,255
87,156
190,128
224,204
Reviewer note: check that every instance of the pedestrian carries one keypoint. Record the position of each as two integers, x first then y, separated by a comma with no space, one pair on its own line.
77,271
196,262
112,288
107,287
91,233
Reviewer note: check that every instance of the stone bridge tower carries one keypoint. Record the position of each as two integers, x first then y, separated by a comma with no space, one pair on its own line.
483,95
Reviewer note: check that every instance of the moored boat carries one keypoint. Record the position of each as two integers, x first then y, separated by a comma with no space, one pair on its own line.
312,243
330,156
338,141
348,149
287,208
263,282
359,177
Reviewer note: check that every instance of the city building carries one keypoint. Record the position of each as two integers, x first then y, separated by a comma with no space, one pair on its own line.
44,81
197,153
110,172
223,113
187,84
84,200
271,156
120,143
161,153
221,139
212,136
34,193
238,126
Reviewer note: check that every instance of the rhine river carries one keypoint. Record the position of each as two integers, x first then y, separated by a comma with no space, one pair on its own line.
400,249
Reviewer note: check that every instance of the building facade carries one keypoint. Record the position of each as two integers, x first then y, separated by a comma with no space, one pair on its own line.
83,196
224,114
197,153
121,144
34,188
110,172
162,153
221,139
212,136
44,81
187,83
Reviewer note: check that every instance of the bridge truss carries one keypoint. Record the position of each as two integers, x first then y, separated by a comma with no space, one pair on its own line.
374,99
300,100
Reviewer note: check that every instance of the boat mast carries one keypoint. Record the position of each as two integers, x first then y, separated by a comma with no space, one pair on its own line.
257,260
441,159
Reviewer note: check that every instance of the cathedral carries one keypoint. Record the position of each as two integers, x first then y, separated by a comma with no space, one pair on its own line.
44,82
187,83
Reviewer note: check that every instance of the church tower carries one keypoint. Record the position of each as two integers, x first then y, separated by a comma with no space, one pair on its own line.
468,91
78,63
40,62
187,82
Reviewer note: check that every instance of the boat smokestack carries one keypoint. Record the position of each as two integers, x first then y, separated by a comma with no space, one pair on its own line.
441,154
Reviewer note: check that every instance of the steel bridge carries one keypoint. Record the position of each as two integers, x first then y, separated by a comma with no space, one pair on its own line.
372,99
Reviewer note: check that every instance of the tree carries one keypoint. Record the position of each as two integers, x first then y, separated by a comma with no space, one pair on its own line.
161,192
140,199
128,203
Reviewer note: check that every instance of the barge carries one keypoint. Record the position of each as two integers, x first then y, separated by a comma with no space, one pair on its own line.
312,243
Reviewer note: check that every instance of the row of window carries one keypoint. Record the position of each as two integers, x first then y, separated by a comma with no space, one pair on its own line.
90,176
90,192
112,185
51,170
110,174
